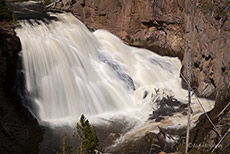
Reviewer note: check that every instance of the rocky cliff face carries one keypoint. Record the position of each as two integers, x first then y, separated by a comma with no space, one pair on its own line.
211,52
156,25
159,25
19,131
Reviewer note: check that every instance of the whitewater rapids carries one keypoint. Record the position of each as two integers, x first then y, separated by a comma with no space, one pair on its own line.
71,71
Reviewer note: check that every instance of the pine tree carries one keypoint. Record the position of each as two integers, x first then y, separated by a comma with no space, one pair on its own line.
87,135
66,147
4,12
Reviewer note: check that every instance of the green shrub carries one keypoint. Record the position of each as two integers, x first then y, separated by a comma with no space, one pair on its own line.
119,3
207,7
47,2
220,11
4,13
14,18
62,4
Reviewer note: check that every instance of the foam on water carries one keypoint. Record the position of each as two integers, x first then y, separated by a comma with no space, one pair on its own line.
70,71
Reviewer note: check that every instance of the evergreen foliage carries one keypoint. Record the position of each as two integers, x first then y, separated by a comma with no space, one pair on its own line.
4,13
87,135
47,2
66,147
14,18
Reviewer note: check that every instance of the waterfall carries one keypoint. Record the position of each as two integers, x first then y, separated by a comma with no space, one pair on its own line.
70,70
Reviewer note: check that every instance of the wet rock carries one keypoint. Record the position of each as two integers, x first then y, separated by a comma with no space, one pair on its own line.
150,137
166,106
158,119
114,136
30,10
19,130
206,89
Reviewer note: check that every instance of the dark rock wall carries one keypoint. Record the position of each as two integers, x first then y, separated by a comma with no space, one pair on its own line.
19,131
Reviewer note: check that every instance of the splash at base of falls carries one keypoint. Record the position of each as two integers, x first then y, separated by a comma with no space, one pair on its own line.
70,71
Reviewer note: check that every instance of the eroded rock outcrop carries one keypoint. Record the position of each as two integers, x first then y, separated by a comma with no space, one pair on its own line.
211,52
156,25
19,131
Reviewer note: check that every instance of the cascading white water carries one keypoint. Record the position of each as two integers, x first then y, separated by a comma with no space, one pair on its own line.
70,71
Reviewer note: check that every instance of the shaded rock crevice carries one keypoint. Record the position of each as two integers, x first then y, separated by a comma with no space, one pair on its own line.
19,130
